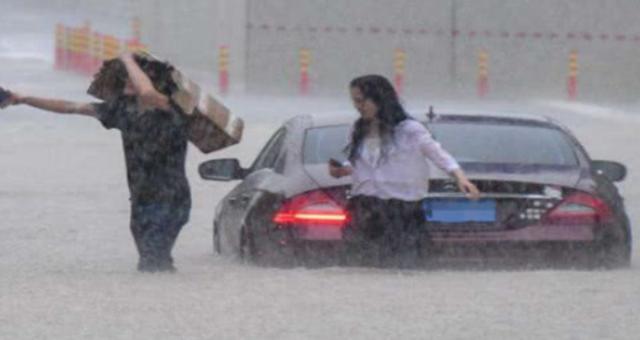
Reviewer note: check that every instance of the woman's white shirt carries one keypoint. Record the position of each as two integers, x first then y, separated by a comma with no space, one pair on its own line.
400,169
372,149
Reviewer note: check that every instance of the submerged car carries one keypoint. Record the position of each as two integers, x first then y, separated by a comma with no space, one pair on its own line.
542,197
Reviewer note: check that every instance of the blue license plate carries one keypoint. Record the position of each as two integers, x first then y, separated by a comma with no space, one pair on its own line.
459,210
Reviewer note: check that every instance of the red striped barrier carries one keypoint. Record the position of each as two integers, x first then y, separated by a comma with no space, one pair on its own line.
82,50
223,69
399,62
483,74
572,81
305,62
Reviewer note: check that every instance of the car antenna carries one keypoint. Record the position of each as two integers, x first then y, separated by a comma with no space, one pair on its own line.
431,115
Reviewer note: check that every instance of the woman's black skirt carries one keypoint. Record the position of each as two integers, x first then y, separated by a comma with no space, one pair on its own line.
386,232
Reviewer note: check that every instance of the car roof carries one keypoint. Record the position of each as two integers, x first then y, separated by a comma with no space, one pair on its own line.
349,116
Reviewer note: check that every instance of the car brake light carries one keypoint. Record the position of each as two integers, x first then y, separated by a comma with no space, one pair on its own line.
311,209
579,208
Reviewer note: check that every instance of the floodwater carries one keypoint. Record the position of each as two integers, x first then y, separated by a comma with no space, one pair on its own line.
67,260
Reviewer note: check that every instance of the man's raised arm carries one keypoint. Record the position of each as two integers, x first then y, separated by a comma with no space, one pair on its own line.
143,86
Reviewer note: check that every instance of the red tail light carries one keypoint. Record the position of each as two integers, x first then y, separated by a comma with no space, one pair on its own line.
579,208
314,208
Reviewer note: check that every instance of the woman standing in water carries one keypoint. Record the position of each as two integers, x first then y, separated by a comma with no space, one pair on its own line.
387,155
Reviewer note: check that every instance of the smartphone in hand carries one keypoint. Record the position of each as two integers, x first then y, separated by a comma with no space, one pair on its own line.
335,163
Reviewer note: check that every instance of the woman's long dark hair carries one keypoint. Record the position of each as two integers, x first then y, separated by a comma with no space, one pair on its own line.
390,112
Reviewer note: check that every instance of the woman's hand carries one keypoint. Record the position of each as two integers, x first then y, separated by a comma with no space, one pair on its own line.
465,186
339,171
469,189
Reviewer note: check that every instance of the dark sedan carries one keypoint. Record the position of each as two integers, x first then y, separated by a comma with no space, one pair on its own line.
542,195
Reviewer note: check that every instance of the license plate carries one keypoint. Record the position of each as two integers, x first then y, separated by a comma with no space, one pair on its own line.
459,210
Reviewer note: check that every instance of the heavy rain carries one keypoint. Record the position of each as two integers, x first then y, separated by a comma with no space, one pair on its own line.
536,100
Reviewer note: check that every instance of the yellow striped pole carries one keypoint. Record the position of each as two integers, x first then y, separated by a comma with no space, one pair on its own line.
572,82
305,63
399,62
84,48
135,43
134,46
69,56
483,73
75,49
96,51
79,48
110,47
223,69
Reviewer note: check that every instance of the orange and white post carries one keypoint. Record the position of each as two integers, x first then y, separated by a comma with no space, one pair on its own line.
135,43
69,55
110,47
572,81
96,51
305,63
74,48
134,46
223,69
79,48
483,73
136,29
399,65
84,49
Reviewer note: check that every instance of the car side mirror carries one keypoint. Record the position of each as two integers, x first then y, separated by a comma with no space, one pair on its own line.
226,169
614,171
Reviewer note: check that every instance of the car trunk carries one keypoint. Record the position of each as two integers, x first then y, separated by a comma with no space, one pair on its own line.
512,196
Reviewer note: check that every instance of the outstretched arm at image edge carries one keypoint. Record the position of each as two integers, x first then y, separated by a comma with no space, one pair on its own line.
54,105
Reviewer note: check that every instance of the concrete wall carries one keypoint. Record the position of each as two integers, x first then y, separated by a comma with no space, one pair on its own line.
537,64
113,18
190,34
528,44
345,41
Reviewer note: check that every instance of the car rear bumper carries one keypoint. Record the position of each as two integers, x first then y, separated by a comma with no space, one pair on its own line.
534,233
465,255
539,244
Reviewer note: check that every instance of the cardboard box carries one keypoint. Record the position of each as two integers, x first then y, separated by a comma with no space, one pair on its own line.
211,125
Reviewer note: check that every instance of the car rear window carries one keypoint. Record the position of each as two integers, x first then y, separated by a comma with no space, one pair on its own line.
468,142
476,142
321,144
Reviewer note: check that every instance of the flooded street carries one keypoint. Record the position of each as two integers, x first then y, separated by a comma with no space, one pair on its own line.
67,259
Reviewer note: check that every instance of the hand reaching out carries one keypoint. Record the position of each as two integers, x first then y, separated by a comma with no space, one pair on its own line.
337,172
469,189
465,186
8,98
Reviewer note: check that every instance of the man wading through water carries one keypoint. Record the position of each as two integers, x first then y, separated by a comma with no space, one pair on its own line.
154,137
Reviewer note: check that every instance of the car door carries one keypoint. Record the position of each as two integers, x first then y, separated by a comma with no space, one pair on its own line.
237,202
